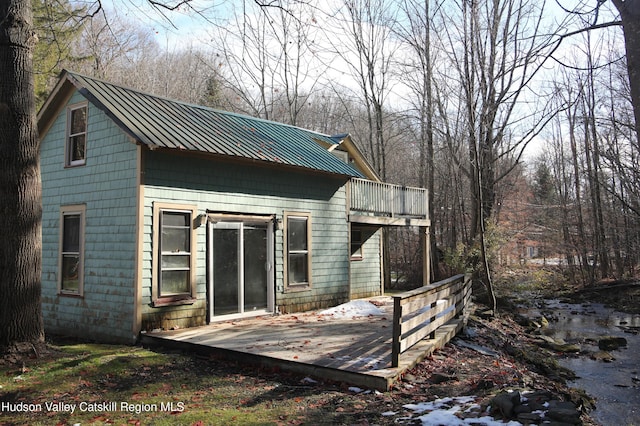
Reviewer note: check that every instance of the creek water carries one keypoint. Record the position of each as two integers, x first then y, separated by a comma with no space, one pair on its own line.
616,384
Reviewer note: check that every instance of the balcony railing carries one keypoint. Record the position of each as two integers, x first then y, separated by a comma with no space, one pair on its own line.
389,200
421,312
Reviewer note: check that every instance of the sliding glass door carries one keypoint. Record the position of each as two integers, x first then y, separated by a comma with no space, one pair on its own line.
240,267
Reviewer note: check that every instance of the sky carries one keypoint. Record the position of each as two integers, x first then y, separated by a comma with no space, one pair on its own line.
186,28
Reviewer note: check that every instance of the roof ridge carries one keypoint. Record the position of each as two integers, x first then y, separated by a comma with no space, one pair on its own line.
202,107
160,122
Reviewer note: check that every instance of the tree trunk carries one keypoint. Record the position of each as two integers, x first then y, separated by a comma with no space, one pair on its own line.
20,187
630,15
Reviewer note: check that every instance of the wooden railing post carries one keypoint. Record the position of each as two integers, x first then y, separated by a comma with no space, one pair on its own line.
433,318
395,341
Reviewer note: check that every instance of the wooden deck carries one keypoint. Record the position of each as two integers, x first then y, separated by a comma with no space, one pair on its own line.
353,350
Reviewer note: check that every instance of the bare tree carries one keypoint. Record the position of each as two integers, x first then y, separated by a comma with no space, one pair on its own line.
588,16
367,50
496,48
417,35
107,46
265,58
630,17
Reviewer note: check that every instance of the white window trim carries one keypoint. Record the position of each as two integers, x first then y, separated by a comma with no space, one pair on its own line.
298,286
67,146
77,209
190,296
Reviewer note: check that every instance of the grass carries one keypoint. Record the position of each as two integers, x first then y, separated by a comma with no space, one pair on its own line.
150,387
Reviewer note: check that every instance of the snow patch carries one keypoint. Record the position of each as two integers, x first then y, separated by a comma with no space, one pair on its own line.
355,308
445,411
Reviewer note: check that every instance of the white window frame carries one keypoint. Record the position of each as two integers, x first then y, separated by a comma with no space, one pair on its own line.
68,161
158,299
301,285
72,210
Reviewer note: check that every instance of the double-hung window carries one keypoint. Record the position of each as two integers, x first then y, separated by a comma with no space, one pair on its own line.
298,246
71,256
76,146
356,244
174,254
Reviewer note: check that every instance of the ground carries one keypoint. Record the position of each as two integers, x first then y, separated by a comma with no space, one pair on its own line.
174,388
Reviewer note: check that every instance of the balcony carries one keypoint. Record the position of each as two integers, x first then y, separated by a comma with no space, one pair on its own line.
380,203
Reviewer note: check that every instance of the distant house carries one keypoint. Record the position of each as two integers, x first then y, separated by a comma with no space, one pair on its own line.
158,214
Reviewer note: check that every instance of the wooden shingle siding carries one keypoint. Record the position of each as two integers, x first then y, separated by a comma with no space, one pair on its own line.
236,188
366,276
106,185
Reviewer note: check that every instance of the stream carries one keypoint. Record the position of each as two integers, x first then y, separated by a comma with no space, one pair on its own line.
614,384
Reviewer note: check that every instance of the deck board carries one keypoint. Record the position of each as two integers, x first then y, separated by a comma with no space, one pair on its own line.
354,350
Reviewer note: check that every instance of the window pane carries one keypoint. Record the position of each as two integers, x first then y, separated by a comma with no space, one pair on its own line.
77,147
356,243
180,261
174,282
71,233
175,219
298,268
175,240
297,233
78,120
70,265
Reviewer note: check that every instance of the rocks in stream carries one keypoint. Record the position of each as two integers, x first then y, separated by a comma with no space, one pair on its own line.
610,343
602,356
537,407
558,345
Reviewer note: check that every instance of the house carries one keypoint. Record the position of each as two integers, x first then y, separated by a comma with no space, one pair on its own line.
161,215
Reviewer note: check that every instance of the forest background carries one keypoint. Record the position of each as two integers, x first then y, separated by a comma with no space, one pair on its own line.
518,121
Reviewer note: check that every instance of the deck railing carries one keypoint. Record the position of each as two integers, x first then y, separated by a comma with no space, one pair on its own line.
418,313
388,199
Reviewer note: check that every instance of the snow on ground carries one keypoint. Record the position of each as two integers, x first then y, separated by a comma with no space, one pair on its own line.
353,309
458,411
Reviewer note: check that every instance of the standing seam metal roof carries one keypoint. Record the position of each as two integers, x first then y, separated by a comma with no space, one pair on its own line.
159,122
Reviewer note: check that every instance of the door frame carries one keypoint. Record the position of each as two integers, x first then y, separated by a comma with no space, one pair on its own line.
240,220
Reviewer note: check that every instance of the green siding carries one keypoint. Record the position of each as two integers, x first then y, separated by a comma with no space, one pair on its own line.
366,279
107,186
231,187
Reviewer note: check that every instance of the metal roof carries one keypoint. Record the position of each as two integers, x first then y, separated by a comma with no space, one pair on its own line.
164,123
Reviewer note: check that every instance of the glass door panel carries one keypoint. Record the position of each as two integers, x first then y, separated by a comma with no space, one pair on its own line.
225,269
240,256
255,267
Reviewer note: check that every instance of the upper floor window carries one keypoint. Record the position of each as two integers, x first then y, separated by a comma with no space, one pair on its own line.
71,256
76,146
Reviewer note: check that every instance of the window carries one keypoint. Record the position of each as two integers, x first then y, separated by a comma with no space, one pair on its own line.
76,148
173,280
298,246
71,257
356,244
